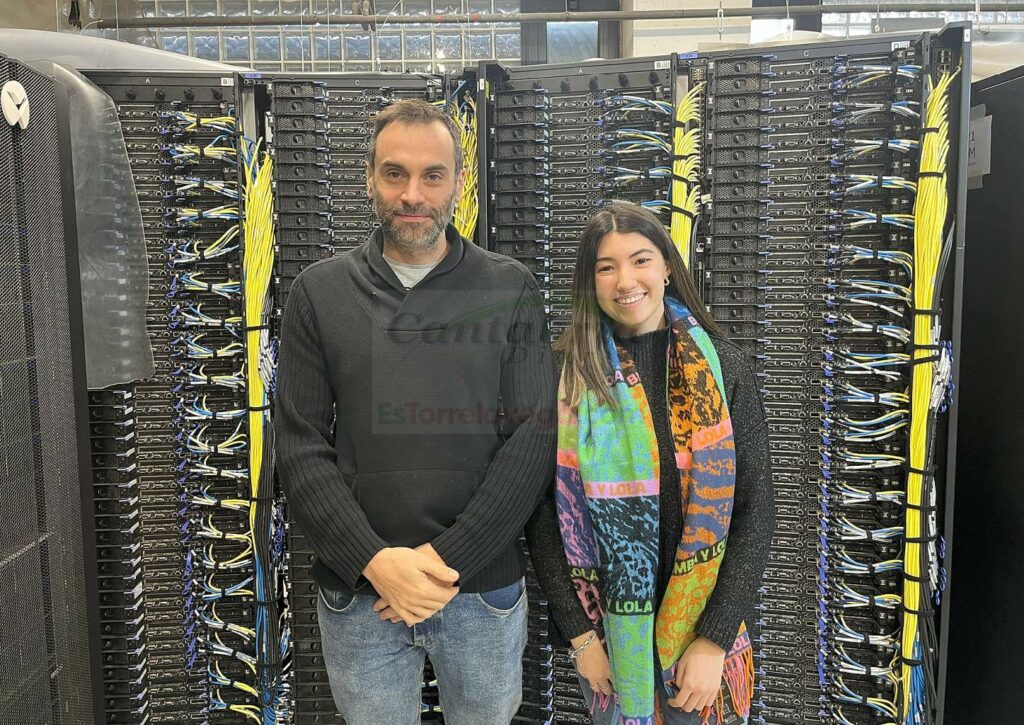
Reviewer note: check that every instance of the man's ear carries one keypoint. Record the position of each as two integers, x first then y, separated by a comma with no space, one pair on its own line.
460,183
369,182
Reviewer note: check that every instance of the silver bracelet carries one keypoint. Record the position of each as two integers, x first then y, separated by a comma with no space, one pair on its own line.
574,654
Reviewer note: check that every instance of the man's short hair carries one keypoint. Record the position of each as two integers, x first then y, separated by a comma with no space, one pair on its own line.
415,111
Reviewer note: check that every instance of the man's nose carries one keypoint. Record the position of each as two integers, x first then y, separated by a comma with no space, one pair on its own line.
412,194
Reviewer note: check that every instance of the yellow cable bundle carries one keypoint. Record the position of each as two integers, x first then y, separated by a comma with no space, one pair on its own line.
467,209
929,220
256,270
685,189
257,266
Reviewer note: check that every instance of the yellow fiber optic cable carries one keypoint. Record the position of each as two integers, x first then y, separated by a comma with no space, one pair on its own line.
684,194
257,268
929,219
467,208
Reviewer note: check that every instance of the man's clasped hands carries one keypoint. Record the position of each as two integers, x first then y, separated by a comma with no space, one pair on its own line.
413,584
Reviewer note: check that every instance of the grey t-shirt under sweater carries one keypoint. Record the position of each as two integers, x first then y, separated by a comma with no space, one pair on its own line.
410,274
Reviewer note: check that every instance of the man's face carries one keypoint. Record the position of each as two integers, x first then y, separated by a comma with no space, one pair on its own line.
413,185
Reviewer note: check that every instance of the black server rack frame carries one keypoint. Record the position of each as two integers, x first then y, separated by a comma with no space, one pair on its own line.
542,233
950,47
51,117
955,39
988,581
178,693
78,373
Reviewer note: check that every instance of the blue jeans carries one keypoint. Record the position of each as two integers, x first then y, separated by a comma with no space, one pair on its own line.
475,645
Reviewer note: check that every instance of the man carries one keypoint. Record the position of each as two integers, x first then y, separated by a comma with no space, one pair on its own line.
415,435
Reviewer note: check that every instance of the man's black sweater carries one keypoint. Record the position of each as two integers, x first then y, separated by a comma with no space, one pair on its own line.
412,416
753,517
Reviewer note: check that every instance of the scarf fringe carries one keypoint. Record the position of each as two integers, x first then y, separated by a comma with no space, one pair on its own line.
738,674
739,677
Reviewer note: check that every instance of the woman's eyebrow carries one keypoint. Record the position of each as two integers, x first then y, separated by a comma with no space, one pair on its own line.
639,251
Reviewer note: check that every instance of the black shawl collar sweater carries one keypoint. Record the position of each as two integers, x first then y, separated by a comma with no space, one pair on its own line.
411,416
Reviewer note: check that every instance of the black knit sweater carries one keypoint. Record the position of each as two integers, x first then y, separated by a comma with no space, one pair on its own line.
413,416
753,519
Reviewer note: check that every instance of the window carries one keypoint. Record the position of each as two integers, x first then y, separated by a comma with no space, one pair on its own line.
506,45
175,43
328,47
296,45
203,8
268,46
571,42
480,46
389,47
266,7
206,47
234,8
236,46
418,48
447,46
447,7
171,9
357,47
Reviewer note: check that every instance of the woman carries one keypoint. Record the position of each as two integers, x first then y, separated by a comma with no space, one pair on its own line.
652,570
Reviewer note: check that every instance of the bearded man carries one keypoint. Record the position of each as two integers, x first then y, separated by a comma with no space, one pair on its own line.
415,435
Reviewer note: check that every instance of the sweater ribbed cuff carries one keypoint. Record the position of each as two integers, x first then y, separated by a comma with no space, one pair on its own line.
456,549
358,551
575,624
721,627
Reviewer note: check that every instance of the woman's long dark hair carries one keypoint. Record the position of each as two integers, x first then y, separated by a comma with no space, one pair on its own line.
586,364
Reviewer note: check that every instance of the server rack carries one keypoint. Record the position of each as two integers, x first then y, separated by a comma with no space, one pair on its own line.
804,182
319,126
555,141
186,203
49,622
799,258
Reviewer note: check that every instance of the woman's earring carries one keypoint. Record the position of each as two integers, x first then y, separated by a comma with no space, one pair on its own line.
666,281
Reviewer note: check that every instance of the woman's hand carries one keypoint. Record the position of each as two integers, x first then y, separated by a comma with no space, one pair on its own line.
699,676
593,664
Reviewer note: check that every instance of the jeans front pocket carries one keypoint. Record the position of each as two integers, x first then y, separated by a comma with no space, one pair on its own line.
337,602
504,600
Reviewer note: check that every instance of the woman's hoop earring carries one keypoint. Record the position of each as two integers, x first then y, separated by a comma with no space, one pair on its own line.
666,281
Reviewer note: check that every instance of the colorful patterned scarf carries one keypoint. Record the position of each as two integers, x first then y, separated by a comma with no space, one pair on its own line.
607,496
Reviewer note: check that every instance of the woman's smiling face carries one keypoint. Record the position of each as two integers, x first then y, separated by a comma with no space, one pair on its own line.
629,278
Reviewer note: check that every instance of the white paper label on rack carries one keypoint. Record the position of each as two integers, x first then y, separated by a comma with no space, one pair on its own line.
979,149
227,81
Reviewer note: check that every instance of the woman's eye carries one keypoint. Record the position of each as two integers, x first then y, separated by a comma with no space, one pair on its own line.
643,260
605,268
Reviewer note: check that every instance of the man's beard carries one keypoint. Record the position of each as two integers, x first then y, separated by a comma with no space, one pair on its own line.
414,237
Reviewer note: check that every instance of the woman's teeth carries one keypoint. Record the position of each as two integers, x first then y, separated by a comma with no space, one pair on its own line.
631,300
